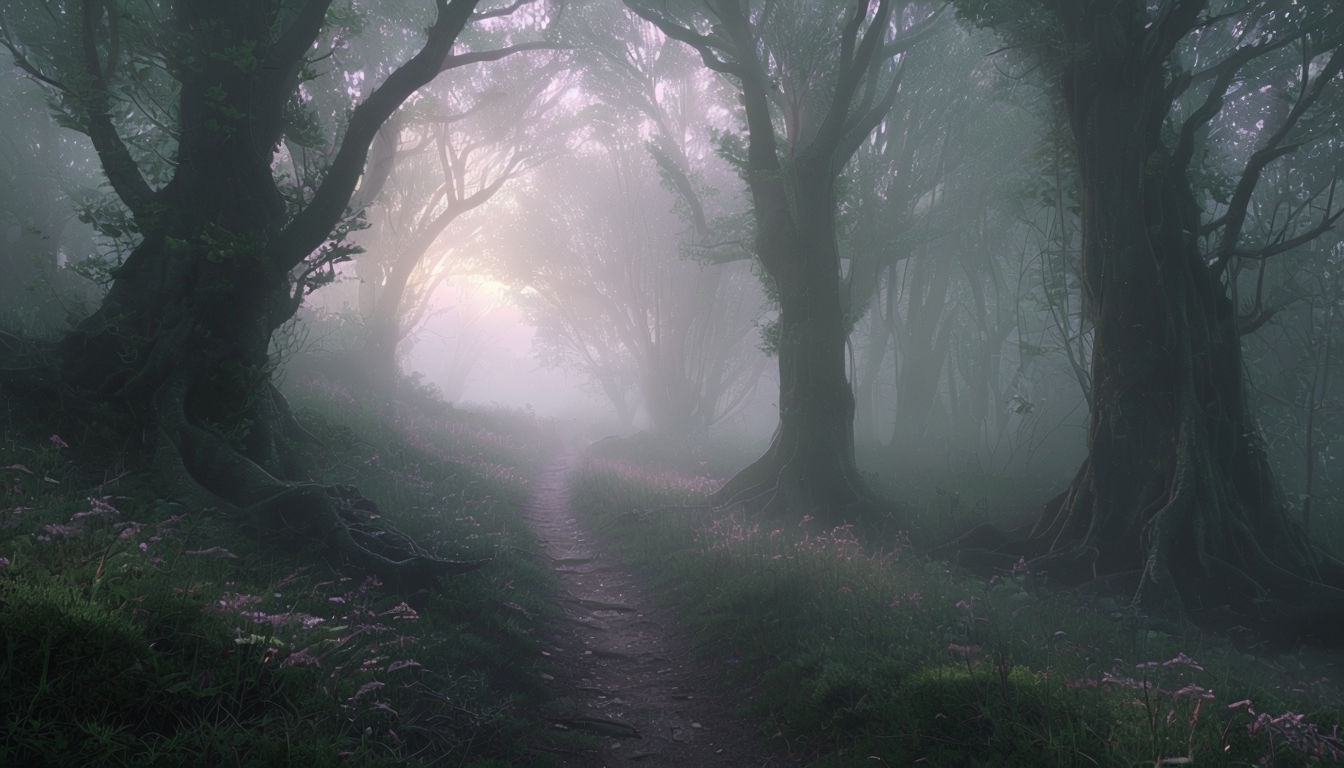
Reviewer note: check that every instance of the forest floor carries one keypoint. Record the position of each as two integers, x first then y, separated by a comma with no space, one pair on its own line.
625,671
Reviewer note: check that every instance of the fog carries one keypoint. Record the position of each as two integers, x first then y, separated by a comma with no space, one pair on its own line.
1067,279
572,230
909,366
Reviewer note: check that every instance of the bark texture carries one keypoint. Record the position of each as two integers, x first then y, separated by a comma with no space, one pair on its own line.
180,343
1176,495
802,128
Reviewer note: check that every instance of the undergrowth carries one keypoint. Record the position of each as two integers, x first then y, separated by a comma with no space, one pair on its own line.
855,653
136,630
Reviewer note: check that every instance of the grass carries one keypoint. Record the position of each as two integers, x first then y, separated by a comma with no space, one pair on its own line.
138,631
854,654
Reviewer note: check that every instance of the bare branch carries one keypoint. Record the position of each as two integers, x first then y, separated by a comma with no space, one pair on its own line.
916,34
836,122
1222,74
706,46
311,226
1234,220
453,61
94,100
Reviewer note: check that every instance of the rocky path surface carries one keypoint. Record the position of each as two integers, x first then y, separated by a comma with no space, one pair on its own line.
625,671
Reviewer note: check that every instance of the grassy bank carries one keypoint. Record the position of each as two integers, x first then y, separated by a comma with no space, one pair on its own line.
855,654
139,630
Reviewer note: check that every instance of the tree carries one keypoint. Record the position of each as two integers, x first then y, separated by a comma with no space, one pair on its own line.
45,175
813,80
461,145
598,250
1176,487
190,106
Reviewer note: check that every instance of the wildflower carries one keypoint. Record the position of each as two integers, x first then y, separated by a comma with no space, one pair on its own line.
401,612
300,658
845,590
58,442
63,530
1182,658
4,562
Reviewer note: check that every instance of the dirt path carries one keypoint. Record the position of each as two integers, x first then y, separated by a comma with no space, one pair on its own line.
626,674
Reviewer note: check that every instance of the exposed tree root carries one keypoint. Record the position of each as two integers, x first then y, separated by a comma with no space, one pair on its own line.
788,480
208,472
1200,557
343,521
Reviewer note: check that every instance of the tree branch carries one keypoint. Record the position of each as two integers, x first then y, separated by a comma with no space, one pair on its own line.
1222,74
1234,220
94,101
312,225
286,53
1285,244
504,11
851,73
914,35
453,61
701,43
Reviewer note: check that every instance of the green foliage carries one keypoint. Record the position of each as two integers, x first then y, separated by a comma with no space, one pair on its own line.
732,147
139,631
863,653
84,685
1032,24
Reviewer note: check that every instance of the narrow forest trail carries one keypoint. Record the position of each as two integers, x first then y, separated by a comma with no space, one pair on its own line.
625,672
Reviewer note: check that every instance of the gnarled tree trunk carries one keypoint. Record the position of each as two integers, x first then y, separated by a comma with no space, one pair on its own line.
1176,492
180,343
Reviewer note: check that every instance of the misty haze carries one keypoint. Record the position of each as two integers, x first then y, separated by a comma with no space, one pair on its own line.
684,383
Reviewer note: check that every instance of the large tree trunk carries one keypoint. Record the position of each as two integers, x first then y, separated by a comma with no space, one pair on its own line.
180,343
924,337
810,467
876,343
377,367
198,299
1176,491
